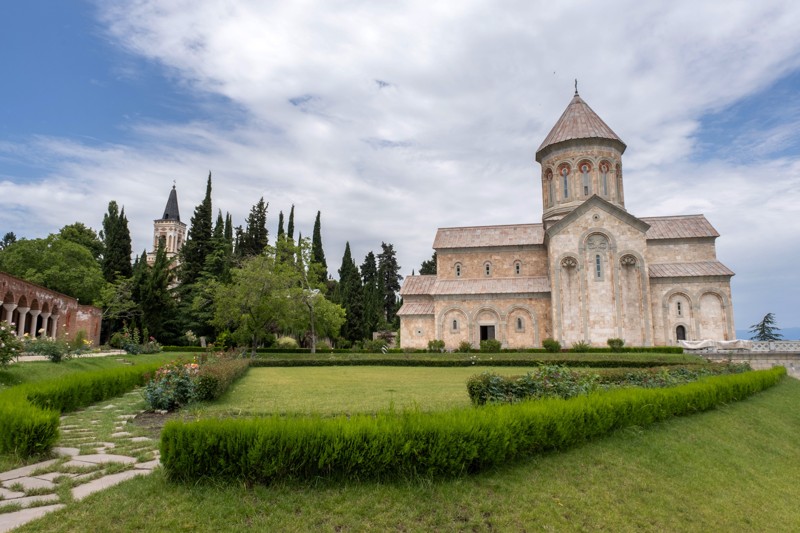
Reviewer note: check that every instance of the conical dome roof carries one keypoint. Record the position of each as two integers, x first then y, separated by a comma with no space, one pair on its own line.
171,210
578,121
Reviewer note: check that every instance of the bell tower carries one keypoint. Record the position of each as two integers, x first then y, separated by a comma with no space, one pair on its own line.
580,157
169,228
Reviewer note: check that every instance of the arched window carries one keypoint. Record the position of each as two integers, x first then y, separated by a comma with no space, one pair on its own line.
520,324
487,268
604,177
619,183
679,308
587,184
598,266
517,268
680,333
551,193
455,325
458,270
565,180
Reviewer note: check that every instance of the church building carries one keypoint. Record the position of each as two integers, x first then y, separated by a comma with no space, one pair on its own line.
589,272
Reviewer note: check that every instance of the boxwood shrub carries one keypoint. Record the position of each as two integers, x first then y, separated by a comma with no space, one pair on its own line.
412,444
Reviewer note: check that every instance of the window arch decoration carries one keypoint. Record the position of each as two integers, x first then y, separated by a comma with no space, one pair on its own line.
551,192
487,268
458,269
627,260
569,262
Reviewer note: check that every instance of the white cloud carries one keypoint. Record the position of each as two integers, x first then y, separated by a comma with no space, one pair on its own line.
467,92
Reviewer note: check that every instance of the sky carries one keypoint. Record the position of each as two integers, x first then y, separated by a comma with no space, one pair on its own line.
395,119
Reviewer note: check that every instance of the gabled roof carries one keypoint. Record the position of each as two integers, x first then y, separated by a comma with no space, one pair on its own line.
171,210
578,121
482,236
416,308
679,227
602,203
684,270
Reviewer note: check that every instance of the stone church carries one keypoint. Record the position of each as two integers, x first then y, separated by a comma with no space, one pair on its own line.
589,272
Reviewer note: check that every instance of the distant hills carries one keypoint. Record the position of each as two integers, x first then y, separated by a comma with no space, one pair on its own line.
789,334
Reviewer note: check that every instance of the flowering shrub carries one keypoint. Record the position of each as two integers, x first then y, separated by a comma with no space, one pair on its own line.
172,386
54,349
10,345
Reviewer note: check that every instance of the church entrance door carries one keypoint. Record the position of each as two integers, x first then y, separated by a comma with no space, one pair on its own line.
680,333
487,333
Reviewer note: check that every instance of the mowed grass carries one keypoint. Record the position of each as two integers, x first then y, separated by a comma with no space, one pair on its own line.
731,469
349,390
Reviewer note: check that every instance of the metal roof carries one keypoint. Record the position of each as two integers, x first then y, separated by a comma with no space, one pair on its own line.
483,236
684,270
171,210
578,121
679,227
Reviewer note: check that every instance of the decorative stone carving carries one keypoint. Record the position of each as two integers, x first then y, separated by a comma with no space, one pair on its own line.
627,260
597,242
569,262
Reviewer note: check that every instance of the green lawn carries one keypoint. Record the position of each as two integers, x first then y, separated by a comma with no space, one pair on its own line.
359,389
732,469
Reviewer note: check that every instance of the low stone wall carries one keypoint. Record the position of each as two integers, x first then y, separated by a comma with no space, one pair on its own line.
762,361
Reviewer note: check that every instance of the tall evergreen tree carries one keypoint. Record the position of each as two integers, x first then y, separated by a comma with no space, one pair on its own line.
766,330
389,274
373,302
281,233
350,297
317,253
290,226
116,244
228,227
255,236
198,244
428,267
156,303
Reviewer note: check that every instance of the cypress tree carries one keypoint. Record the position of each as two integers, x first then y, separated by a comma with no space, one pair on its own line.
290,226
389,274
373,303
228,227
116,244
156,302
198,243
317,253
255,237
281,233
428,267
351,297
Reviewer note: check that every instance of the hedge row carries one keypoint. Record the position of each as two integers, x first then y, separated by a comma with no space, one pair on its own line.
29,414
412,444
560,381
215,377
595,363
627,349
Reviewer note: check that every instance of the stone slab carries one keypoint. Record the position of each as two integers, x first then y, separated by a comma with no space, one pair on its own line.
25,470
105,458
30,500
109,406
79,464
51,476
7,494
149,465
121,434
140,439
82,491
31,483
66,451
9,521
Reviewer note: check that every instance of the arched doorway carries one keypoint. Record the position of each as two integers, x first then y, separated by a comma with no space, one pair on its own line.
680,333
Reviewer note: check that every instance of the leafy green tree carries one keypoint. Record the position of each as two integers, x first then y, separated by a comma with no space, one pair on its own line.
257,302
389,274
198,243
79,233
372,296
766,330
8,239
351,297
428,267
58,264
317,252
116,244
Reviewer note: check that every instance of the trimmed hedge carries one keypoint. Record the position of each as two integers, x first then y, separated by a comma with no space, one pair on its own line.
412,444
595,363
29,414
626,349
216,377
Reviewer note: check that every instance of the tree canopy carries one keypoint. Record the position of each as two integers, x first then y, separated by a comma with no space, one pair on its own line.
766,330
116,243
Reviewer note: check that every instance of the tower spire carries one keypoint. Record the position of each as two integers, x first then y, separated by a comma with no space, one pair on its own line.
576,86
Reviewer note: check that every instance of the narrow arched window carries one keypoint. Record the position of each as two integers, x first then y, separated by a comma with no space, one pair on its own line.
587,185
458,270
604,178
487,267
520,324
517,268
455,325
565,181
679,309
598,266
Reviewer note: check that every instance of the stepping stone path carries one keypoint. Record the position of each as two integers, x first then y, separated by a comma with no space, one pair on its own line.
97,449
